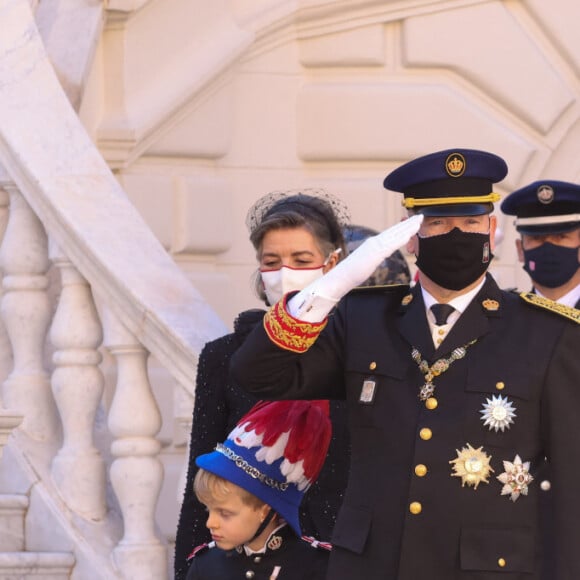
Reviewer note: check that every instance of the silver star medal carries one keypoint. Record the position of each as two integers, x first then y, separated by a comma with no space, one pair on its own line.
498,413
515,478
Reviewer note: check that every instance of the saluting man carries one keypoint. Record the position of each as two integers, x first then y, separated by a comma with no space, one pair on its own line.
452,409
548,219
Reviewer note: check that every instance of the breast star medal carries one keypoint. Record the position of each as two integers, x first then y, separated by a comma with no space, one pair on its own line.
498,413
515,478
472,465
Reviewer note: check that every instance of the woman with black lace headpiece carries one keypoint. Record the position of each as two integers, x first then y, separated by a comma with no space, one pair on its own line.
298,237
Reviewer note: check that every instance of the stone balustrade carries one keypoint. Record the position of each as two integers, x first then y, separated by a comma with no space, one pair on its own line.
79,263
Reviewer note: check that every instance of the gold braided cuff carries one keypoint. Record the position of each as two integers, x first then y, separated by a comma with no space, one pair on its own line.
288,332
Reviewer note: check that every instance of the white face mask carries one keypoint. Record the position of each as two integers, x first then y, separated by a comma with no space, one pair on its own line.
279,282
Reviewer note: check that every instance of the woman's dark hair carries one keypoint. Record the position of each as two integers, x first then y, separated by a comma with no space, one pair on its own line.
300,210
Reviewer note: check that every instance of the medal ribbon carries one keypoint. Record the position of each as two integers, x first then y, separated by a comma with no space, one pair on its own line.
437,368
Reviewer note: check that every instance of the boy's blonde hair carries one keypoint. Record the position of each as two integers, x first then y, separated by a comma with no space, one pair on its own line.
207,486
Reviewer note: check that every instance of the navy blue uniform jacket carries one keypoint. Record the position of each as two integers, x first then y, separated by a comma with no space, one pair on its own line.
293,557
525,353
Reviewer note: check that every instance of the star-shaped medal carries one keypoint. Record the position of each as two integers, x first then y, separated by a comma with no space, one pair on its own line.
472,465
498,413
515,478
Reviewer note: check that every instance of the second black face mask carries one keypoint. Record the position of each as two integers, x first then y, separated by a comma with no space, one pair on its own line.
456,259
551,265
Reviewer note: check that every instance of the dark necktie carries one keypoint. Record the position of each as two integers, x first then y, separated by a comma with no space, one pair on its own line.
441,312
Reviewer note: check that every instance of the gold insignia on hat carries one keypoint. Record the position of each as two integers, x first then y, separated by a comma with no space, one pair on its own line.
491,305
545,194
498,413
455,165
515,478
407,299
472,465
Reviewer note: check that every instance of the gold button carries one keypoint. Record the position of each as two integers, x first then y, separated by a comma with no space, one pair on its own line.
439,340
431,403
425,434
501,563
373,366
415,507
441,332
420,470
500,386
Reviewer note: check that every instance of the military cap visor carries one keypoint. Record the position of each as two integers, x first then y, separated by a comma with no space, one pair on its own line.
449,183
544,207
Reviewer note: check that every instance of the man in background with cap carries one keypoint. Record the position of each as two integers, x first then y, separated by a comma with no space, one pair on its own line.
548,219
457,391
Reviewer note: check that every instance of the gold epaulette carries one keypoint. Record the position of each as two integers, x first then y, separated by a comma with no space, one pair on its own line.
547,304
288,332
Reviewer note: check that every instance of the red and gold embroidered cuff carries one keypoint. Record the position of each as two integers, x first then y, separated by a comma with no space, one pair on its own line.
288,332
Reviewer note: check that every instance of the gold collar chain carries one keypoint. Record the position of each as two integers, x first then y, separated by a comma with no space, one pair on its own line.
437,368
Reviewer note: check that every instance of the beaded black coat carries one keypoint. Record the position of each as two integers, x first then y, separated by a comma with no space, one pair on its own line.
219,404
405,515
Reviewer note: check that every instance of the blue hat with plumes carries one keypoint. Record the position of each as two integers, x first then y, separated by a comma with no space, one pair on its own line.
275,452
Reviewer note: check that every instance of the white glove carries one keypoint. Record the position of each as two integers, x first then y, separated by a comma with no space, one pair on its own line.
313,303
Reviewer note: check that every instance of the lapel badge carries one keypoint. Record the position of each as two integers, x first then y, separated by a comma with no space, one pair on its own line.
407,300
367,393
498,413
515,478
275,542
472,465
490,305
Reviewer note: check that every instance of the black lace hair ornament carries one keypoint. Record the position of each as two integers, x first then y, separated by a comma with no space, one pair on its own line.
265,204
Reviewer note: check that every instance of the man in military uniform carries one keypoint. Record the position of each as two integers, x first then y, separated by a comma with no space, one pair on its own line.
450,418
548,219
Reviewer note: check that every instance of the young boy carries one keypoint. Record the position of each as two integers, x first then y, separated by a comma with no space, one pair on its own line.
252,485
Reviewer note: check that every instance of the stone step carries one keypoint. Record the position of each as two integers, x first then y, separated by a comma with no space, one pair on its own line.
12,512
36,565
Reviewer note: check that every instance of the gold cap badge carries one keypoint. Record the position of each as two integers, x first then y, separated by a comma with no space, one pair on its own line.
455,165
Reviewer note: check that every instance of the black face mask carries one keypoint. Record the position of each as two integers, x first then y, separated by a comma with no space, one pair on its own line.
551,265
456,259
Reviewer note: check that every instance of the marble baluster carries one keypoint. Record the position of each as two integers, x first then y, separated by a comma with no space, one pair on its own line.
26,312
136,472
78,469
9,420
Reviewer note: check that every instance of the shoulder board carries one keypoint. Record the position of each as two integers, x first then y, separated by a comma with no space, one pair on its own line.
200,550
381,289
317,544
546,304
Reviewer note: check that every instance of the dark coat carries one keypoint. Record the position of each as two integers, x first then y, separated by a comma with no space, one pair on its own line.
461,532
297,559
219,405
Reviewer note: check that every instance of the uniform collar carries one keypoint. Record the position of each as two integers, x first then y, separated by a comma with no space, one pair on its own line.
270,541
473,323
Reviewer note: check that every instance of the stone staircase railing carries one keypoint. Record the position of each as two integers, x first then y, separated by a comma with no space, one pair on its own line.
81,268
